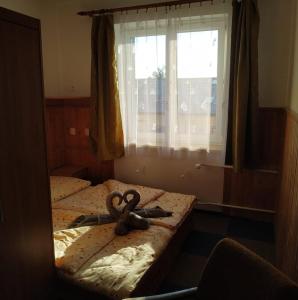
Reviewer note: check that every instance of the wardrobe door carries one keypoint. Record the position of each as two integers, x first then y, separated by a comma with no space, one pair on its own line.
26,244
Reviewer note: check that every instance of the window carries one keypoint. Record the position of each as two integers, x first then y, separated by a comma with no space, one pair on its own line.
172,81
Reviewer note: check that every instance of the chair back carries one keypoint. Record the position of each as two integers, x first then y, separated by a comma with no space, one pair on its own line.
235,273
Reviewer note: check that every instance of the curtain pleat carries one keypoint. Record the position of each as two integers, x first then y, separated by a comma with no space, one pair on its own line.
242,140
173,82
106,132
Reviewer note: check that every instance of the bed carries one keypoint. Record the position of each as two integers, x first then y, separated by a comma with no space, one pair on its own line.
93,260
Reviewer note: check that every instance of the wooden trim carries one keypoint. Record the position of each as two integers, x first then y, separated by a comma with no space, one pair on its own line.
274,109
76,102
81,102
237,211
54,102
268,211
168,4
292,114
231,167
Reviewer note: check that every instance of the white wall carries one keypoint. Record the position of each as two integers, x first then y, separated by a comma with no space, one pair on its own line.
275,51
175,175
44,10
31,8
73,44
66,45
294,91
51,62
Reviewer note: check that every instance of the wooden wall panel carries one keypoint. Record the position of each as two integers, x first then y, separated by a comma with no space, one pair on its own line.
55,136
74,114
251,188
287,209
272,132
255,188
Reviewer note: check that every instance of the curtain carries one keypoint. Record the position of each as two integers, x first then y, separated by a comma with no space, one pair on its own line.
242,144
106,132
173,81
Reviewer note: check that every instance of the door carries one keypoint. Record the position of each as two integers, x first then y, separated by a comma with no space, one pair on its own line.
26,244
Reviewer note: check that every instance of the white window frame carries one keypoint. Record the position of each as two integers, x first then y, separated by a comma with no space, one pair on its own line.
222,26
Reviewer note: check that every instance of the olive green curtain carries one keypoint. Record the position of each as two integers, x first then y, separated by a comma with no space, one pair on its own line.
242,139
106,132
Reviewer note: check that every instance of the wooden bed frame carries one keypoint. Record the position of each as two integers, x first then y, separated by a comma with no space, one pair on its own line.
149,283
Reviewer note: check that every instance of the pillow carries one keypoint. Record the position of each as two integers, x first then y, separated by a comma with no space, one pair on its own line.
62,187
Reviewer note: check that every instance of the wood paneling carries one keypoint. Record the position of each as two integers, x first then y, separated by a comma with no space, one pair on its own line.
55,137
26,243
73,149
287,209
272,132
251,188
255,188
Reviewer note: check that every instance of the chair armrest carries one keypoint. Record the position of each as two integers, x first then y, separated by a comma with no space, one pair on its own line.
167,296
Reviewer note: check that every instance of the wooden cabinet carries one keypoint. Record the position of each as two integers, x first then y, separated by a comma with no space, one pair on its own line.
26,244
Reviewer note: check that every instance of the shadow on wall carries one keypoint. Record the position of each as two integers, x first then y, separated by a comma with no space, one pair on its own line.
173,175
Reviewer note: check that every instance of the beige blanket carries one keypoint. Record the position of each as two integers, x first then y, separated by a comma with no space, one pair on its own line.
91,200
118,267
73,247
94,256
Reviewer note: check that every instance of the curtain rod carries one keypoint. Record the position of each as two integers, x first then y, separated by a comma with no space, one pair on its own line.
139,7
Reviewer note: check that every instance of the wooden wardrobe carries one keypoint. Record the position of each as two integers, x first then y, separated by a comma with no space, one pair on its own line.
26,244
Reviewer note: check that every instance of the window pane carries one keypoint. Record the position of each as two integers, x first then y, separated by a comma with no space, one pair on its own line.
197,54
150,60
150,56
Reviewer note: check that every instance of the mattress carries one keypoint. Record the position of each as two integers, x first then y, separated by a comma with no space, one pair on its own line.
94,256
62,187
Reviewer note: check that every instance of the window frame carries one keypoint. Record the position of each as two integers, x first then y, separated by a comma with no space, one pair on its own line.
218,22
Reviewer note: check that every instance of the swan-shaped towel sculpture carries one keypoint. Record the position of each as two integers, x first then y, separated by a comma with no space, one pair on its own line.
128,218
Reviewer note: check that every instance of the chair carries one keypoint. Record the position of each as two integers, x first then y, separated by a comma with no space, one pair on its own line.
235,273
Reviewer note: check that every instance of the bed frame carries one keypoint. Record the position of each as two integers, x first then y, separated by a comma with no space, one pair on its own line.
149,283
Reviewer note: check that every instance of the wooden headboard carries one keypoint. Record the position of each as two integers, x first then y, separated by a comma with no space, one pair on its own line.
68,123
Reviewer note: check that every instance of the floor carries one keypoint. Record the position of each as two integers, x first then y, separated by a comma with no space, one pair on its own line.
208,229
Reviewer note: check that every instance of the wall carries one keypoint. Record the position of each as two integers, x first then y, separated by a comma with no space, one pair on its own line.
73,44
277,19
294,92
45,11
71,78
31,8
67,122
49,33
66,58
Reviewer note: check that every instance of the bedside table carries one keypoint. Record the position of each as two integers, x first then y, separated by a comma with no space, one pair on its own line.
71,171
